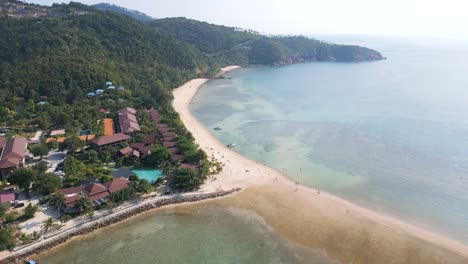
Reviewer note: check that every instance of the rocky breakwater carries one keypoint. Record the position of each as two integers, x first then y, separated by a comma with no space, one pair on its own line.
19,255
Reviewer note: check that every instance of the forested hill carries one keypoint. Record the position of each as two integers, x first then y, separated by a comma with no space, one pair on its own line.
66,57
124,11
235,46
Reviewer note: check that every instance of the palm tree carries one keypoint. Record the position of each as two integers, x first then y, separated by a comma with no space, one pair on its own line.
84,205
49,224
57,200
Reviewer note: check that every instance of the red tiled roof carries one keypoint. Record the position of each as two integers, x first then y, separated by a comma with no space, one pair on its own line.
149,138
98,196
105,140
61,139
9,163
70,200
169,134
136,153
138,146
161,125
168,139
71,190
129,127
117,185
95,188
154,115
127,117
7,196
14,148
163,129
125,151
169,144
127,110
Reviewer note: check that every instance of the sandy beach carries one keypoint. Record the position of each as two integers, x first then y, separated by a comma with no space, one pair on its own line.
308,217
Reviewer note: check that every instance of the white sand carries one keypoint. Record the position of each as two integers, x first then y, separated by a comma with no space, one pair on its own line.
242,172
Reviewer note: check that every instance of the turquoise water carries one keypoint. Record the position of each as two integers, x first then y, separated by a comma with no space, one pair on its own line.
150,175
209,235
390,135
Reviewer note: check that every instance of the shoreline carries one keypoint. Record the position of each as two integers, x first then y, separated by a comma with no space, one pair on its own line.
53,241
245,173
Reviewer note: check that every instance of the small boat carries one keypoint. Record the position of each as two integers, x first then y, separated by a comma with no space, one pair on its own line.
231,145
217,128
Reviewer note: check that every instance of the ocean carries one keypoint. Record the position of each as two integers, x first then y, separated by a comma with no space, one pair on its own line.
389,135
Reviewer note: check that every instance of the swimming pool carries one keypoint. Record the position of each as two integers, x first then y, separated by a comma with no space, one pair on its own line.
150,175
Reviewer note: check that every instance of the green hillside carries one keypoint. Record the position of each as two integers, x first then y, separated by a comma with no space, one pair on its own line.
66,57
231,45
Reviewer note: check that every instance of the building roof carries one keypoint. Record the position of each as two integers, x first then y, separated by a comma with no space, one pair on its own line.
98,196
14,148
126,151
127,117
9,163
108,83
94,188
83,137
149,138
123,173
169,144
99,91
90,137
50,140
129,127
136,153
61,139
7,195
108,127
117,185
161,125
167,139
127,110
71,190
154,115
70,200
90,94
169,134
105,140
57,132
112,87
163,129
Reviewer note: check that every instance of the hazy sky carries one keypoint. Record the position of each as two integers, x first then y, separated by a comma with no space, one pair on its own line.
438,18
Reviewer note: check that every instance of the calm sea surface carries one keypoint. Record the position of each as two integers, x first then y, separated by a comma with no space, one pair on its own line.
390,135
209,235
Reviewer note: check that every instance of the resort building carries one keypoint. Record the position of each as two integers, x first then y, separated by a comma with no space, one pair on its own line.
154,115
102,143
128,121
13,155
95,192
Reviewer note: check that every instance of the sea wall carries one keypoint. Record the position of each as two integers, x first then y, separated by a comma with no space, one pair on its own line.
48,243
